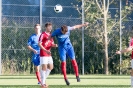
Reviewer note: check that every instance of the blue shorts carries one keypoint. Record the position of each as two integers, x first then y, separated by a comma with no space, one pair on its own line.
36,59
66,51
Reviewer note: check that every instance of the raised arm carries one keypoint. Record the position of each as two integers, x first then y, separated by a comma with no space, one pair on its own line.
80,25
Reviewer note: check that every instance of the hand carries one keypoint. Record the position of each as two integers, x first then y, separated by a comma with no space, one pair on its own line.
48,52
86,23
118,52
54,45
35,52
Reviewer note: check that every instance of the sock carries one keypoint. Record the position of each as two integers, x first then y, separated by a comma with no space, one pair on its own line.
75,67
47,72
131,81
63,68
38,76
43,77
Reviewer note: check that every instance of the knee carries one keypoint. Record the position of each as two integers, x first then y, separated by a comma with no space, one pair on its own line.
44,67
132,72
37,68
51,68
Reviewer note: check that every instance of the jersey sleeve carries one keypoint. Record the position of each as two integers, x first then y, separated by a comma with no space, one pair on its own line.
29,41
41,37
70,28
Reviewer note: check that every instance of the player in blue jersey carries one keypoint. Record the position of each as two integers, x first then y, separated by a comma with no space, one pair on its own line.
33,46
66,49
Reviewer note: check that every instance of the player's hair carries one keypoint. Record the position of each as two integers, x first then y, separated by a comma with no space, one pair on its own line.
48,24
36,25
64,28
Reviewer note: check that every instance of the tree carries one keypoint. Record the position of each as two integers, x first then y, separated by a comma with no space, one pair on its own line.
104,23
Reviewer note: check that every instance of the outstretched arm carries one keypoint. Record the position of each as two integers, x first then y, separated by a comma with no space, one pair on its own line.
80,25
125,50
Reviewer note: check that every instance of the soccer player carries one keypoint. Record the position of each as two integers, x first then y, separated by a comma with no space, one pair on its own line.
66,49
45,54
128,49
33,46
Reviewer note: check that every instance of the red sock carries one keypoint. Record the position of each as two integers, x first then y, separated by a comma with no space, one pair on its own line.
63,68
38,76
75,67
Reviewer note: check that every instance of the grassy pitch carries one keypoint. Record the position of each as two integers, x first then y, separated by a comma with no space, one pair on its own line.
56,81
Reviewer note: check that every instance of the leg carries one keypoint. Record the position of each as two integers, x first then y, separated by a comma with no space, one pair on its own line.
44,67
37,70
43,62
36,61
132,73
62,53
75,67
63,68
131,78
71,54
50,66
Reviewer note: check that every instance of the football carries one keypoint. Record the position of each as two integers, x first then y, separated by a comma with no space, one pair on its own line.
58,8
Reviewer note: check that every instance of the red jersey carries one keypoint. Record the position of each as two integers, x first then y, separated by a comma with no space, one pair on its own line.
46,43
131,45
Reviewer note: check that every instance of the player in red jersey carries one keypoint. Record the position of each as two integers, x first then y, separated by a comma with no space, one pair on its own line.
45,54
130,48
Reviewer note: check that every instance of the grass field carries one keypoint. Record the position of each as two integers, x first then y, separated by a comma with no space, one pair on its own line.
56,81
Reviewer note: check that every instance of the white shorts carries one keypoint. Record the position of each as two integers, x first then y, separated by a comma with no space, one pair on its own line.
46,60
132,63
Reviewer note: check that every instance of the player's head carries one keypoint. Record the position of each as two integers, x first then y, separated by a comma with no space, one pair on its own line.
64,29
37,28
48,26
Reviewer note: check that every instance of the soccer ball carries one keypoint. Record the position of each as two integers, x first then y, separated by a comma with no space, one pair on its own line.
58,8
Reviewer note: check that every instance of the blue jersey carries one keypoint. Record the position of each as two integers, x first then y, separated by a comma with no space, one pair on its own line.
64,45
62,38
33,42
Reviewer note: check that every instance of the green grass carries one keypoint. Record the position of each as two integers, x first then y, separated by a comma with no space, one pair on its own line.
56,81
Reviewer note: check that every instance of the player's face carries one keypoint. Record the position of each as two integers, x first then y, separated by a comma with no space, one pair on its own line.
49,28
63,32
37,29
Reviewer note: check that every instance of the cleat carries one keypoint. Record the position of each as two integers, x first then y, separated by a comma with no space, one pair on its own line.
39,83
78,79
44,86
67,82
